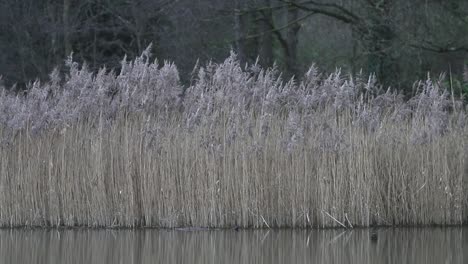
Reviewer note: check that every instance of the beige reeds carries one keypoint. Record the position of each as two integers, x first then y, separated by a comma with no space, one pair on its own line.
121,177
237,148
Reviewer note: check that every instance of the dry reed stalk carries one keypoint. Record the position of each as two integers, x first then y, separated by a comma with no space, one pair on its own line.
239,148
87,176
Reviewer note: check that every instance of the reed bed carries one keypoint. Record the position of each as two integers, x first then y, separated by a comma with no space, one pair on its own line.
238,147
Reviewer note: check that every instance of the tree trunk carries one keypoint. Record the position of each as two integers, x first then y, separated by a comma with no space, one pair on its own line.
379,41
239,29
66,27
292,39
266,40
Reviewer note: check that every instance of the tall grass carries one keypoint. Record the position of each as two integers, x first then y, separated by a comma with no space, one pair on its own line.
238,147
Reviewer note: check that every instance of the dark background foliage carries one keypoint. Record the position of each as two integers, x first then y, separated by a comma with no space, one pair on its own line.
398,40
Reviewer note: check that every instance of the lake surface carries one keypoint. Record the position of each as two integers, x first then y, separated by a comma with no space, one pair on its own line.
392,245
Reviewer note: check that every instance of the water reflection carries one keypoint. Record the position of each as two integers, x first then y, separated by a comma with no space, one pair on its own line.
403,245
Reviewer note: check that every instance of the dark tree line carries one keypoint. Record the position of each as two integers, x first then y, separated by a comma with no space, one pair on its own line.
395,39
398,40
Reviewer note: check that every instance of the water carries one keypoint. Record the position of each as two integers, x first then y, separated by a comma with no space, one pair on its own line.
400,245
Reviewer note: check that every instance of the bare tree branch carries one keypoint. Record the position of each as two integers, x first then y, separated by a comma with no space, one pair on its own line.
438,49
332,10
280,28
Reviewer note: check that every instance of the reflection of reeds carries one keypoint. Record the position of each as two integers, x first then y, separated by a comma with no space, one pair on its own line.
407,245
237,148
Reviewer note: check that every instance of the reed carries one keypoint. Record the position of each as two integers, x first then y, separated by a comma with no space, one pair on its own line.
239,147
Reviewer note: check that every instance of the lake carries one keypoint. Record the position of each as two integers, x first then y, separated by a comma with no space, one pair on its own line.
389,245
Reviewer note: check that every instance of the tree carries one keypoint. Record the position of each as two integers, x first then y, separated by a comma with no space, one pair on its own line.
266,40
292,38
399,40
378,29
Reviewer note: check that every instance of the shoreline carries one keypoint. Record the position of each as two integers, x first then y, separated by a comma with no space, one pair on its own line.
207,229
